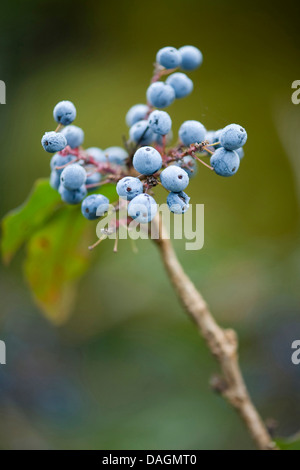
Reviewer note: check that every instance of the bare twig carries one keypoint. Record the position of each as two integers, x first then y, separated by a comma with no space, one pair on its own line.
222,343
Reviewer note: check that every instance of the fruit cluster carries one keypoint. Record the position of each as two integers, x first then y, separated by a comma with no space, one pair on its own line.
148,158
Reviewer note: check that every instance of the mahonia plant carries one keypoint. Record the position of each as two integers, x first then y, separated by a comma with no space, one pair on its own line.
149,158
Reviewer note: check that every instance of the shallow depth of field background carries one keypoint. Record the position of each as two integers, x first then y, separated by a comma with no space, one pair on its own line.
128,370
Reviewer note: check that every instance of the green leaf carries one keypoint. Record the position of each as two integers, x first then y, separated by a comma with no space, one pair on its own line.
19,224
57,256
57,238
293,443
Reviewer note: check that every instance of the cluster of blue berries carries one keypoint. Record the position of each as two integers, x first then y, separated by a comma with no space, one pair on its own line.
177,85
75,171
148,158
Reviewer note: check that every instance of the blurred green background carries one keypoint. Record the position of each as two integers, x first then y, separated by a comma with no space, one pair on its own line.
128,370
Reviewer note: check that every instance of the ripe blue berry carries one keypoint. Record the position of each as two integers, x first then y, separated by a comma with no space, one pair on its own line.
192,132
64,112
160,95
188,164
116,155
225,162
136,113
54,180
142,208
140,133
168,57
191,57
73,177
181,83
94,206
53,141
147,160
160,122
72,197
103,206
178,202
97,154
233,137
174,178
74,136
129,187
58,160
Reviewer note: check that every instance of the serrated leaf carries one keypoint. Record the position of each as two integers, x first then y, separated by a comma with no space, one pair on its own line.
19,224
57,256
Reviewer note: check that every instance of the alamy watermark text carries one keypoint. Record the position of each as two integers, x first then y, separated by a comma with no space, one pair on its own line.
296,94
2,352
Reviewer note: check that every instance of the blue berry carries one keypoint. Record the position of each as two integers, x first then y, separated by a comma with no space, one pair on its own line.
142,208
160,122
97,154
210,136
213,137
178,202
240,152
181,83
147,160
64,112
174,178
73,177
192,132
72,197
160,95
94,178
225,162
54,180
94,206
191,57
53,141
129,187
103,206
168,57
58,160
188,164
216,138
140,133
74,136
233,137
136,113
116,155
